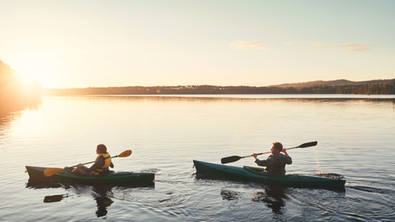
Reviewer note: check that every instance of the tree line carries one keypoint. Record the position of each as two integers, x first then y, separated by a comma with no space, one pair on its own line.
16,93
371,88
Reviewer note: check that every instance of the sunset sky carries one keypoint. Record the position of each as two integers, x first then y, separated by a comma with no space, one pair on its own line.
97,43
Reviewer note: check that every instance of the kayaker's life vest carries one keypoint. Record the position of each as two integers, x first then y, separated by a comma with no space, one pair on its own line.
279,167
107,163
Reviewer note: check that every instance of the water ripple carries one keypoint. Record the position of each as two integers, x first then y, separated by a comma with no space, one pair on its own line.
162,196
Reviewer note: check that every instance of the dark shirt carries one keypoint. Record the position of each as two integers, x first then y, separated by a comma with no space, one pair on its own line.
275,164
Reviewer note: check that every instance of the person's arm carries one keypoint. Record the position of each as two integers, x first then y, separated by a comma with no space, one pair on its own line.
98,164
286,154
268,162
256,160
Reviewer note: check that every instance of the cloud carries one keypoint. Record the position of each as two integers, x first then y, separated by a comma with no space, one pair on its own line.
348,47
353,47
252,45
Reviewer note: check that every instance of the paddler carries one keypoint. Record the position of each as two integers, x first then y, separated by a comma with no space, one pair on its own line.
102,162
275,163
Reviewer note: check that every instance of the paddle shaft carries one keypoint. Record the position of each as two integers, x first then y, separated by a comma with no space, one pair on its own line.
92,161
51,171
89,162
270,152
123,154
231,159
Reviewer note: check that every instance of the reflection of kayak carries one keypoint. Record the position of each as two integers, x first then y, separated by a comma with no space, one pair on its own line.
37,174
252,174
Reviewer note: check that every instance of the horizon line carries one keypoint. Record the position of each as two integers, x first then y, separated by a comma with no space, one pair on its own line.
222,85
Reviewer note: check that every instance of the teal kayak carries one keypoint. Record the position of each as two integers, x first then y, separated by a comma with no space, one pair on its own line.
252,174
114,178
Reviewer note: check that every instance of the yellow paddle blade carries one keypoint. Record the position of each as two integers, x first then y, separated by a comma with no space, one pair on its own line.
51,171
125,153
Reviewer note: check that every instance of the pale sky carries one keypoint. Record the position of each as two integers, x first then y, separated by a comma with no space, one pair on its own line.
97,43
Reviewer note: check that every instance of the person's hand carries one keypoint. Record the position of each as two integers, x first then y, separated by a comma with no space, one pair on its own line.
254,155
284,151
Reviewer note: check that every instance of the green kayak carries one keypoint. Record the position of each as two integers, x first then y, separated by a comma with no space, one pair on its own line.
114,178
252,174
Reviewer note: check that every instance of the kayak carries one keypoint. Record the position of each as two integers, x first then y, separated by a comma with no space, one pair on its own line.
122,178
253,174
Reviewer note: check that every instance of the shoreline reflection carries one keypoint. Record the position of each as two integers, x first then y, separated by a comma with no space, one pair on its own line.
245,98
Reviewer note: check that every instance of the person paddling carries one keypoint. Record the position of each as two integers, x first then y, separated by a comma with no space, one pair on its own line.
102,162
275,163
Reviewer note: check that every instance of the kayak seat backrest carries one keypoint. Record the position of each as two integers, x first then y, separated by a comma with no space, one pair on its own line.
259,170
254,169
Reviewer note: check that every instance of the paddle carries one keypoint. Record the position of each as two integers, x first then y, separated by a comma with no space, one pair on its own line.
51,171
231,159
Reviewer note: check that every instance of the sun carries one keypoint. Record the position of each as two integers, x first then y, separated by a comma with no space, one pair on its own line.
34,65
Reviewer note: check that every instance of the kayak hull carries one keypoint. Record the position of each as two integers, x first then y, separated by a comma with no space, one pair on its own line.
252,174
121,178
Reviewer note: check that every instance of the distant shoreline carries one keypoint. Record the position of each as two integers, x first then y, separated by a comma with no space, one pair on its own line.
246,96
378,88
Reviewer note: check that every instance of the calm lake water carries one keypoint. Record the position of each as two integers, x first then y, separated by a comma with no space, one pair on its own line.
355,134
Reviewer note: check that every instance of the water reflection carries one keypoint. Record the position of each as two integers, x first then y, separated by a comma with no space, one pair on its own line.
7,109
54,198
273,197
40,184
11,112
102,194
230,195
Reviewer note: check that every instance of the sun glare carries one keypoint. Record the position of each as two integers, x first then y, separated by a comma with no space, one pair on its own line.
38,65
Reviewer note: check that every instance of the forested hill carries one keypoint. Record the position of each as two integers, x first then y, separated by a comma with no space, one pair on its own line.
385,88
16,93
338,82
